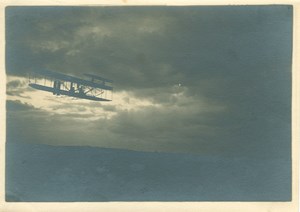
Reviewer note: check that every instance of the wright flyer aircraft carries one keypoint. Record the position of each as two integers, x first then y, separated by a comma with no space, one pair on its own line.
93,88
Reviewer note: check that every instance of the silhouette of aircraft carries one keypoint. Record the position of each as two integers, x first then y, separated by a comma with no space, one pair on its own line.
95,88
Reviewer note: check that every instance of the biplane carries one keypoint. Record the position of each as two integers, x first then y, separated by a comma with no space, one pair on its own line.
94,88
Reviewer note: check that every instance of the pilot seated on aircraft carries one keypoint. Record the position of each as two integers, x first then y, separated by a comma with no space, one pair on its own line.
72,90
81,91
56,87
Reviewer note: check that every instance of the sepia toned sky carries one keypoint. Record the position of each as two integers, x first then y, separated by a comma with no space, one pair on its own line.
207,80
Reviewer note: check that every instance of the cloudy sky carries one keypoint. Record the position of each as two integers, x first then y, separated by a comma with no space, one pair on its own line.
206,80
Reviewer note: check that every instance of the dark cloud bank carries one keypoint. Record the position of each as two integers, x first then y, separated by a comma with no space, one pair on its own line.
233,65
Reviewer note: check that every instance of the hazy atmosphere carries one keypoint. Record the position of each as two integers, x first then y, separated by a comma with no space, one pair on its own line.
212,81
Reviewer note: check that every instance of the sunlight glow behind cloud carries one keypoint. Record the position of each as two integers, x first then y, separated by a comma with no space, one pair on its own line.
63,104
128,121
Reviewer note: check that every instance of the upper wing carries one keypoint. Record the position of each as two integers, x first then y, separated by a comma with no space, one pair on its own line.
68,78
67,93
98,78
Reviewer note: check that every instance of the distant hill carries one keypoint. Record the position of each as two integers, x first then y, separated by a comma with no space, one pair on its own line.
53,173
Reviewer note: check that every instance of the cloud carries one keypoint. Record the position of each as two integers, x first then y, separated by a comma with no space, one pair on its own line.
15,83
197,47
17,86
192,79
138,125
18,106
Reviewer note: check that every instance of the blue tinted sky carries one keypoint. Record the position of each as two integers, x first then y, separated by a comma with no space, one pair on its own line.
209,80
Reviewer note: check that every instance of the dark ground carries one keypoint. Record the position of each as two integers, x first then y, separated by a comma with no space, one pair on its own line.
50,173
